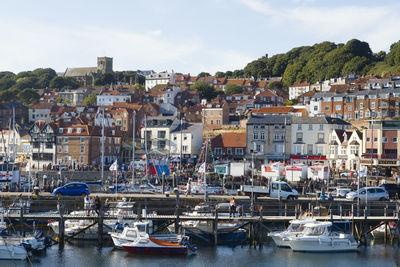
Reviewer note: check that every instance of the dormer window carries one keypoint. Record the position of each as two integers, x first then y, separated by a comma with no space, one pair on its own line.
60,130
78,130
69,130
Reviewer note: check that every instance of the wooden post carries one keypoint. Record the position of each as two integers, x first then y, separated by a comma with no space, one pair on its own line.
215,226
340,210
260,229
100,223
385,234
61,231
21,221
177,211
285,209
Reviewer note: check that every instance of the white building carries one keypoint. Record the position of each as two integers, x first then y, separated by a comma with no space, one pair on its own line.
108,98
310,135
298,89
154,79
345,149
40,111
192,140
17,141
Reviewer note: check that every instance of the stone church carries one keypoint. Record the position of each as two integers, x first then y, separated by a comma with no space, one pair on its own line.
86,76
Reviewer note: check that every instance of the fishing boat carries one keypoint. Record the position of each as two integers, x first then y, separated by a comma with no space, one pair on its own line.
318,237
142,243
295,227
129,234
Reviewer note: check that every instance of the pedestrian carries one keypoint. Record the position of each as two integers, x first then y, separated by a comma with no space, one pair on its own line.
86,202
97,204
330,198
189,187
232,209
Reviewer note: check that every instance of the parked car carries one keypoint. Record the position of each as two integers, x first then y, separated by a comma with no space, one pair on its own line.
347,174
340,192
369,194
72,189
392,189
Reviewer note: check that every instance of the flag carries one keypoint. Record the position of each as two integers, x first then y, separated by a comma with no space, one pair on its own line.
275,166
363,171
28,166
202,168
114,166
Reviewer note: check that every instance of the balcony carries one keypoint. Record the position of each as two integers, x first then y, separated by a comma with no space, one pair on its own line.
381,156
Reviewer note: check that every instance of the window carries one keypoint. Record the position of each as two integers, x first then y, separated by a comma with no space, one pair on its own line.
309,149
65,159
255,126
368,139
82,139
299,137
299,127
161,144
353,150
375,139
277,136
229,151
65,139
59,140
262,135
161,134
384,139
361,115
310,127
321,127
59,149
218,121
185,149
218,151
320,137
238,151
65,149
49,145
82,149
338,107
394,139
349,116
60,130
326,108
361,105
373,105
349,108
81,159
255,135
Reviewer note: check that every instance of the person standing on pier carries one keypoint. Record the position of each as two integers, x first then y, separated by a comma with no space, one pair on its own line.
86,202
232,209
189,187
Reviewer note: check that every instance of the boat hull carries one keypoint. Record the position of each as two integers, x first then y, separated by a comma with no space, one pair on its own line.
13,252
156,250
305,245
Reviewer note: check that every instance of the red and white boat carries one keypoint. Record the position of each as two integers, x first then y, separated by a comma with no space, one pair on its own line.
149,245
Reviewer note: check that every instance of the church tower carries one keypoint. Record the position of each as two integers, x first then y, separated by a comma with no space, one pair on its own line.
105,65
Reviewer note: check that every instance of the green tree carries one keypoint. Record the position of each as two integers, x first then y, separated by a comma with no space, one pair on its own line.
231,89
203,74
7,95
219,74
57,82
90,100
28,96
139,87
204,90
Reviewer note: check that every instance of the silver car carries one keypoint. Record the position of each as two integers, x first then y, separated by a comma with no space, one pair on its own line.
369,194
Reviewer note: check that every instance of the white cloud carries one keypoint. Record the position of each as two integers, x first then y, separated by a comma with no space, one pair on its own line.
338,23
31,44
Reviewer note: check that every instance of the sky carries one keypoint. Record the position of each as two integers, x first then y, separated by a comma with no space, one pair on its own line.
187,36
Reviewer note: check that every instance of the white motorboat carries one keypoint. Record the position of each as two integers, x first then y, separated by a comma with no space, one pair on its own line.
72,227
295,227
318,237
141,243
129,234
391,230
12,250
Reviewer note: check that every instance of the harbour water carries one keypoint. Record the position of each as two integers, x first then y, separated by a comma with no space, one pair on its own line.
88,255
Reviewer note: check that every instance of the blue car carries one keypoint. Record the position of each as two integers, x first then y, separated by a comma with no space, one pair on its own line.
72,189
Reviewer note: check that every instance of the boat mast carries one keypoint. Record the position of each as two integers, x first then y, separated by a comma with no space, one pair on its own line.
205,170
13,136
102,147
145,145
133,149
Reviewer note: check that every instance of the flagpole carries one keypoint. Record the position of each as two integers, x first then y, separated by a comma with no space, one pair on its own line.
102,148
133,149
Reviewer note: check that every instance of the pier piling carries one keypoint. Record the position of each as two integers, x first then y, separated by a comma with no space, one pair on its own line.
100,224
